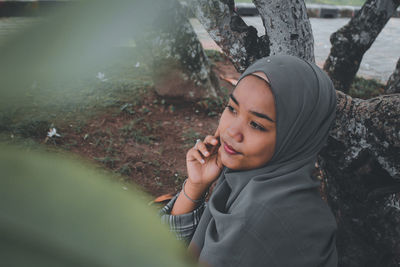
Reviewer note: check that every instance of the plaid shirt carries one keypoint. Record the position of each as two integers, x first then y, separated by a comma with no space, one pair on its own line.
183,225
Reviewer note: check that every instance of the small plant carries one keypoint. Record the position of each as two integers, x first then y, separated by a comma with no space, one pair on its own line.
214,55
127,108
190,137
363,88
108,161
125,169
131,130
156,171
178,178
215,106
158,181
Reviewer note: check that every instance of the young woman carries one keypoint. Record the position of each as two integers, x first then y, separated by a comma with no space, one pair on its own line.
265,209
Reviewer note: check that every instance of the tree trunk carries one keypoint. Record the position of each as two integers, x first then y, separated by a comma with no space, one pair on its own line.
362,177
238,41
351,41
361,161
393,84
288,33
180,66
287,27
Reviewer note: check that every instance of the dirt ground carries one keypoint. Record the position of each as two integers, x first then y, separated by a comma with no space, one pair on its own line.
147,144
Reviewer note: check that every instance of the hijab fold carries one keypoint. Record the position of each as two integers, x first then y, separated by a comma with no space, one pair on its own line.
274,215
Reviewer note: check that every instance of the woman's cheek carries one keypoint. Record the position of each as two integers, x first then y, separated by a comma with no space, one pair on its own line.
223,121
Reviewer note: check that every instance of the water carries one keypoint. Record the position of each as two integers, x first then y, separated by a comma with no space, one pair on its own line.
378,62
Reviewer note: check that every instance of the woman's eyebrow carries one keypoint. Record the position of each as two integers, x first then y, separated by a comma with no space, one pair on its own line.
258,114
261,115
234,99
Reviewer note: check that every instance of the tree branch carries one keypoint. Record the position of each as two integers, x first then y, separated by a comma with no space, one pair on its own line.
351,41
238,40
181,68
287,27
393,84
369,125
362,179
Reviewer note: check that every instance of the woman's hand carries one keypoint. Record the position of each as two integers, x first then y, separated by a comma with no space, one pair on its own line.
204,162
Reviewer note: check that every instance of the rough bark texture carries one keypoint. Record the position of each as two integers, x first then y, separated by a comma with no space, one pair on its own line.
290,31
287,27
362,177
393,84
181,69
361,161
351,41
238,41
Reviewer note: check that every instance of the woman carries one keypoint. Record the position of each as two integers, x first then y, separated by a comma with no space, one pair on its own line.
265,209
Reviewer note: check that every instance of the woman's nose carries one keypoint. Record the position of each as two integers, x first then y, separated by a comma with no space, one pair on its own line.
234,131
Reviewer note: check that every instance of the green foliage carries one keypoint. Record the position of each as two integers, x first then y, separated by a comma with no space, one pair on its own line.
45,80
108,161
49,199
75,101
178,178
363,88
131,130
214,55
189,137
213,107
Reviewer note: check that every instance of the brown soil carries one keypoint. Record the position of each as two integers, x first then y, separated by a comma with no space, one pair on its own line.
148,144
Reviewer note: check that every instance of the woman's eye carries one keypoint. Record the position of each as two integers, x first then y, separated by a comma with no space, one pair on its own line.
231,109
257,126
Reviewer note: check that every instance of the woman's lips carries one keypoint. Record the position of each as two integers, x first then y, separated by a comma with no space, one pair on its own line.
229,149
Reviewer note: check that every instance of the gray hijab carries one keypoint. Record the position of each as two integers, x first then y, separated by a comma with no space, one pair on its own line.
274,215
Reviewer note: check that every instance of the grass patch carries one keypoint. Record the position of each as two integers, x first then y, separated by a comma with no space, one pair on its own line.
189,137
365,89
214,55
131,130
108,161
117,87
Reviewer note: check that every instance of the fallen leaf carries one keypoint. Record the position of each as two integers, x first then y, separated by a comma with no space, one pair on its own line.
161,199
229,80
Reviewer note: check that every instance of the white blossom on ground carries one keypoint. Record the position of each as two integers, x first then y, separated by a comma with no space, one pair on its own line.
101,76
53,132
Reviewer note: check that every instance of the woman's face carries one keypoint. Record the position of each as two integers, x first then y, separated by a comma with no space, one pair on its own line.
247,126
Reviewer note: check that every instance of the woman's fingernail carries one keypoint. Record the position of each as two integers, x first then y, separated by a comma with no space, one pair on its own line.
202,161
206,153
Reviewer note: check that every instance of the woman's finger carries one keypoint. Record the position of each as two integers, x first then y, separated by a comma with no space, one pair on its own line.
200,146
212,140
194,154
216,134
212,143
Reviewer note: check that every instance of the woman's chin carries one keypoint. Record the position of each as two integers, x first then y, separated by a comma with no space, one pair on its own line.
230,163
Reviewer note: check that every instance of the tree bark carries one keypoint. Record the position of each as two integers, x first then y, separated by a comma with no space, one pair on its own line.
237,40
361,160
393,84
351,41
362,180
287,27
180,66
288,33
